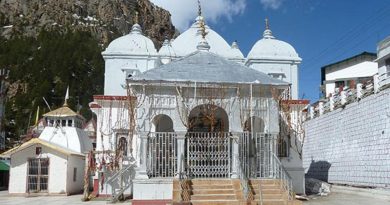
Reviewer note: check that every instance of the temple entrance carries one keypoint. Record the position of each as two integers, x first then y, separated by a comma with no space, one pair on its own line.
38,175
256,146
208,143
162,148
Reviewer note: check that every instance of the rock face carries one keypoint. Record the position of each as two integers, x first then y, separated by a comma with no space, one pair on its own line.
106,19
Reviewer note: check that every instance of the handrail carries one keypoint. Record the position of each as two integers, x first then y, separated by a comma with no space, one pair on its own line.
120,172
118,175
183,181
243,173
244,180
282,174
260,193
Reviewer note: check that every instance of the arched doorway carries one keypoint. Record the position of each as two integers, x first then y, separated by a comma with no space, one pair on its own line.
258,125
208,142
162,148
208,118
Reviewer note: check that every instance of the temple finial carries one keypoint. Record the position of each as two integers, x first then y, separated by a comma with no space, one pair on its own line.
136,18
267,33
199,8
202,26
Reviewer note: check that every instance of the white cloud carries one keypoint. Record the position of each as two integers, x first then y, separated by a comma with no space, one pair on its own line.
184,12
271,4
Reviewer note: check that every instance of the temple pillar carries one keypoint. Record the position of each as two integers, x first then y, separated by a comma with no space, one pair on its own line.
235,157
141,171
180,153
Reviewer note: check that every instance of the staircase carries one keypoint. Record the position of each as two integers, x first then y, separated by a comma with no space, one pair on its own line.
269,192
211,191
117,192
229,192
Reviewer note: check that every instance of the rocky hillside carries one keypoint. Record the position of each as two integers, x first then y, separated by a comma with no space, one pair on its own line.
105,19
48,45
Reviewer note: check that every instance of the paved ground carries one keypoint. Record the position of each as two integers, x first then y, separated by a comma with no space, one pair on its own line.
5,199
332,199
346,199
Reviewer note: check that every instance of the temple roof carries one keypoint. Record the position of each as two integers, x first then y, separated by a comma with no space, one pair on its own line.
41,142
62,112
204,66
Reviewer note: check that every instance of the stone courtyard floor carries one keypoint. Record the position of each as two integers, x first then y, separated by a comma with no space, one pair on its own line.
346,199
334,198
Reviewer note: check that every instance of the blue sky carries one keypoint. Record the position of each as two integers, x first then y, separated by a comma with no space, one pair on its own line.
322,31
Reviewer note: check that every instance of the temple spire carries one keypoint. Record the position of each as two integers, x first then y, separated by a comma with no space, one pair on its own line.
136,18
267,33
199,8
203,45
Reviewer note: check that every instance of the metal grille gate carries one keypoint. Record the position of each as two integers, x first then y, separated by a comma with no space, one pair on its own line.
208,154
255,153
162,154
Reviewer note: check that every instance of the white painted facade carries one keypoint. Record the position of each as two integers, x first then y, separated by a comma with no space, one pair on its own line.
64,144
61,167
359,68
384,62
134,53
276,58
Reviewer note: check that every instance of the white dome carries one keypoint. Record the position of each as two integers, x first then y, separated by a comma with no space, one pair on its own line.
187,42
235,51
133,43
166,50
270,48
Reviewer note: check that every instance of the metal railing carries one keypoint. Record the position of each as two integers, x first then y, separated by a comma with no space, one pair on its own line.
162,159
118,179
285,180
243,165
344,96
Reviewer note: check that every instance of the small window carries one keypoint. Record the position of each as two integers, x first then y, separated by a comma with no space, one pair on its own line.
283,148
69,123
74,174
388,67
38,150
63,123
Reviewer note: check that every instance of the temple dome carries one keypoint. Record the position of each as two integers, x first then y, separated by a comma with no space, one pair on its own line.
133,43
235,51
166,49
187,42
270,48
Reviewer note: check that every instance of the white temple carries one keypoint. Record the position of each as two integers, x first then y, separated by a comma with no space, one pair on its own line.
53,163
196,109
136,53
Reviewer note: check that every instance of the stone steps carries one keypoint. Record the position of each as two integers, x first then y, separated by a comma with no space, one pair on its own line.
213,191
229,192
